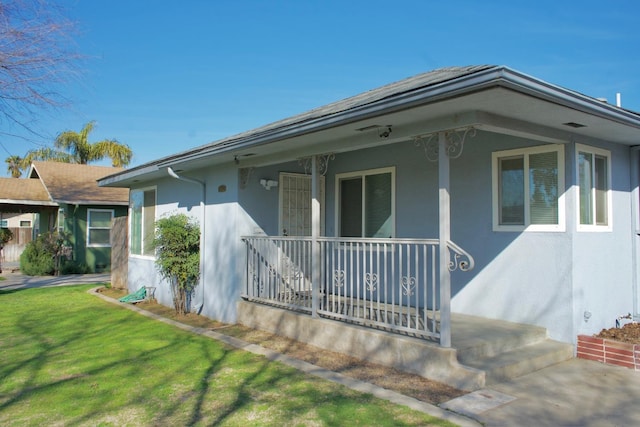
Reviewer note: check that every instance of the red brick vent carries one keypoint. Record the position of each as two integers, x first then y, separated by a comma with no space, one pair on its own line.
609,352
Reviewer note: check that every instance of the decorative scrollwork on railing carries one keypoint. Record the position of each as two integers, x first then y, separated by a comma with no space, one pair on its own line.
371,281
454,140
338,278
460,259
322,163
408,285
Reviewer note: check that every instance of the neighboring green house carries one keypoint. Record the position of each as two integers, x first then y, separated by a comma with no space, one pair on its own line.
68,200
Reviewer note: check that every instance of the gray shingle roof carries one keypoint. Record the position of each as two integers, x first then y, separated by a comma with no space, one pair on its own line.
423,80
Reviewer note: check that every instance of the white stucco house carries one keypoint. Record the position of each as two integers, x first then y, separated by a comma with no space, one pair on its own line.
475,190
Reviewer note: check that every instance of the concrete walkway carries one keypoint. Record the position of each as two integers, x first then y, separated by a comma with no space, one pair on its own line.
17,280
572,393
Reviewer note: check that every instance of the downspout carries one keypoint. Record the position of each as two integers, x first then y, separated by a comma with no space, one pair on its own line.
203,187
635,225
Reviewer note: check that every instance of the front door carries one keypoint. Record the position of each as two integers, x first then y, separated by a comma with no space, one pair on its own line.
295,220
295,204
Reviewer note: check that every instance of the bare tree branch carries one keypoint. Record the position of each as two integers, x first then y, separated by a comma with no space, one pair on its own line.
37,55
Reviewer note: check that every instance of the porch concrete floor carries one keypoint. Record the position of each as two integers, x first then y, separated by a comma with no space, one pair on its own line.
470,332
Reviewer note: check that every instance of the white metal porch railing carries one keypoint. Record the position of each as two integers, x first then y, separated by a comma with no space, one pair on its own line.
384,283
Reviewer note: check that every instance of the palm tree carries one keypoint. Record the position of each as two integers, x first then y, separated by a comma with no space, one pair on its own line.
82,151
46,154
15,165
73,147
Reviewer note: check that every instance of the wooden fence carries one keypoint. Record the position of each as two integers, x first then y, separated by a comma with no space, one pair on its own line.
119,252
12,250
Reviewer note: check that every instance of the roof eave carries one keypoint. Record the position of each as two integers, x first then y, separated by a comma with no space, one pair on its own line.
28,202
538,88
498,76
93,202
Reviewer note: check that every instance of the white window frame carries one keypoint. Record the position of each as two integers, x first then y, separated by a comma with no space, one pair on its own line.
606,154
142,224
24,226
61,213
526,152
89,228
363,173
4,223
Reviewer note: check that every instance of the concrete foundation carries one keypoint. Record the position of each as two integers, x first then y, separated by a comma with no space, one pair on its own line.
408,354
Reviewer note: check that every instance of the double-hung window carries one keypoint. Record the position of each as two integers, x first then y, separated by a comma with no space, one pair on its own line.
142,221
99,227
528,187
366,203
594,188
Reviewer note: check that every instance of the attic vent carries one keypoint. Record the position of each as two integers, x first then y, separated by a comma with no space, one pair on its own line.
575,125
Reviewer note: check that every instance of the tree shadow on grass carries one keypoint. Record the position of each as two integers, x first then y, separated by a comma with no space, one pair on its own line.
154,377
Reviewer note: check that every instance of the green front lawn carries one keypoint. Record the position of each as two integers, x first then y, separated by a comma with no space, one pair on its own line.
69,358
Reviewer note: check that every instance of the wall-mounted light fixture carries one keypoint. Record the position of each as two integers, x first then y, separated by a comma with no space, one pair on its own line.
268,183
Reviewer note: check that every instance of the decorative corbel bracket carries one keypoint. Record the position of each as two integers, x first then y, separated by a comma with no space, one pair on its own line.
244,174
322,163
454,139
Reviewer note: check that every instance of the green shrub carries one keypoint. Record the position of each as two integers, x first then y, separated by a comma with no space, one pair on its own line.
177,245
44,255
5,236
37,258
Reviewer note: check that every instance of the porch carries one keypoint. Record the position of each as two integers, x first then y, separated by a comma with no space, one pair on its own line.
386,284
380,300
483,352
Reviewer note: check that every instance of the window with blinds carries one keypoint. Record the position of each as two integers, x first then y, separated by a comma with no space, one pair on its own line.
527,187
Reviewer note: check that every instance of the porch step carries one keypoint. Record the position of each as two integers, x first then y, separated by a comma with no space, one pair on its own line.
480,338
504,350
521,361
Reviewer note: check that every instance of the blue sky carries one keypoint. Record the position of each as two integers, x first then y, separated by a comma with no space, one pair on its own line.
166,76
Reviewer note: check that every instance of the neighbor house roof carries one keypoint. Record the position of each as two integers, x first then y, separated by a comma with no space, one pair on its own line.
77,184
24,192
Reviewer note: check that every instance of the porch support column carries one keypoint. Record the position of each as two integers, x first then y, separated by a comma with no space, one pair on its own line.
444,237
315,232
